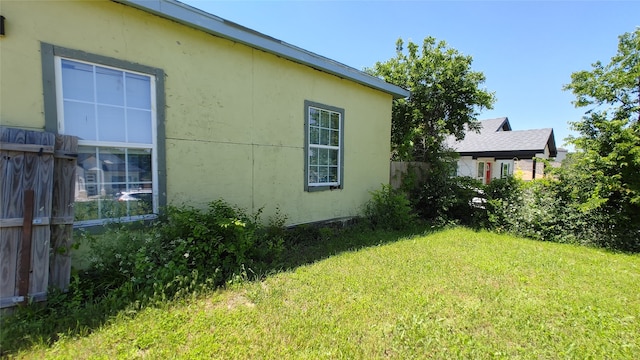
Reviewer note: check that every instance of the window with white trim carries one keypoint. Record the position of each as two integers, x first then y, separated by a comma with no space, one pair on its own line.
480,174
113,113
505,171
324,149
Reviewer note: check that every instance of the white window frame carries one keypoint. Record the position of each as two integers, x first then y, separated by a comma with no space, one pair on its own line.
96,144
480,174
505,174
309,147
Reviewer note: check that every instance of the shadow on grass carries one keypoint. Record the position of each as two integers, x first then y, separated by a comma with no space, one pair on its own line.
308,244
81,311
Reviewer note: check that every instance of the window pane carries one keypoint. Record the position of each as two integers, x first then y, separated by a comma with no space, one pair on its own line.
333,174
314,135
335,121
480,169
138,91
80,120
85,209
111,123
89,185
313,174
86,173
109,86
335,137
333,157
313,117
324,156
324,136
77,81
137,200
313,156
323,174
139,126
139,166
324,119
113,165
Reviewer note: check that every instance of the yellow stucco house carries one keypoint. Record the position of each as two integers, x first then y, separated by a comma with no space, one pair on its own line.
173,105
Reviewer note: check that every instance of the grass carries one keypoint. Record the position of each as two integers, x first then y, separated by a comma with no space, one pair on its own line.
451,294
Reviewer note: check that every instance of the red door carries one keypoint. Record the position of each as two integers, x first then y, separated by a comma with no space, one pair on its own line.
487,175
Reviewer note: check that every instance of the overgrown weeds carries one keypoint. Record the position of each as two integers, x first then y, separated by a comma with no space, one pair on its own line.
389,209
187,252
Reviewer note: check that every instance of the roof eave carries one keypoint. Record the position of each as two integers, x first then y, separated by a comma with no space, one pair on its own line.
217,26
508,154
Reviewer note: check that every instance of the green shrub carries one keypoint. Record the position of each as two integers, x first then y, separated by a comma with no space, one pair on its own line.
388,209
552,209
504,198
186,249
445,199
531,209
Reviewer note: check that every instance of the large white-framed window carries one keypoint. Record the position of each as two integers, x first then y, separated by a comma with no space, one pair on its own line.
113,112
324,147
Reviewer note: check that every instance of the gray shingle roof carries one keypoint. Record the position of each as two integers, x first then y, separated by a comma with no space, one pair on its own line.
497,140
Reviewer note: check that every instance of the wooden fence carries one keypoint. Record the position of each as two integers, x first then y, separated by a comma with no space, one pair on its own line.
403,171
37,171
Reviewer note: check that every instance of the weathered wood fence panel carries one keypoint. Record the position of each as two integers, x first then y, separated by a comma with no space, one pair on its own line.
26,194
11,171
38,176
64,178
401,171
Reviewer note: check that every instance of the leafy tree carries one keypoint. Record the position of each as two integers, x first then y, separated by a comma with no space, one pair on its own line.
606,166
445,97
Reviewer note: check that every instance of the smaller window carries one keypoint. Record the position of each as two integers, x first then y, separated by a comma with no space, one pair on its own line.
323,147
481,169
506,170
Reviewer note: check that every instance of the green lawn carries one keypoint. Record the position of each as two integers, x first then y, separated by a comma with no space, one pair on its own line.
451,294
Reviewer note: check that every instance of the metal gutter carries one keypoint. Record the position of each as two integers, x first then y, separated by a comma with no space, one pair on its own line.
198,19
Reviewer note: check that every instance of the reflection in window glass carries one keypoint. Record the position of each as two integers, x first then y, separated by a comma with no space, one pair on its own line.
106,177
80,120
77,80
109,86
111,123
110,110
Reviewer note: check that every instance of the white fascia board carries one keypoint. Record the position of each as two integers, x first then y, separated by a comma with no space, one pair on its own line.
217,26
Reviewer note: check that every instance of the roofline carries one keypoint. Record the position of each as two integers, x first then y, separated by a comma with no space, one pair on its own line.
507,154
214,25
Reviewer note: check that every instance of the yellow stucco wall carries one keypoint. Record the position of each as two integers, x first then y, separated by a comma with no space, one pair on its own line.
234,115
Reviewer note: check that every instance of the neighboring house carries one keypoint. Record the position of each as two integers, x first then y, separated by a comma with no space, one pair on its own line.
170,101
562,154
497,151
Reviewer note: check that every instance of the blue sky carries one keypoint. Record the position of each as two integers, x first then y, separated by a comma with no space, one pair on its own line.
526,49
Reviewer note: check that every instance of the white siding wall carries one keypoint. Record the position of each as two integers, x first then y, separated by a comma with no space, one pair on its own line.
466,166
